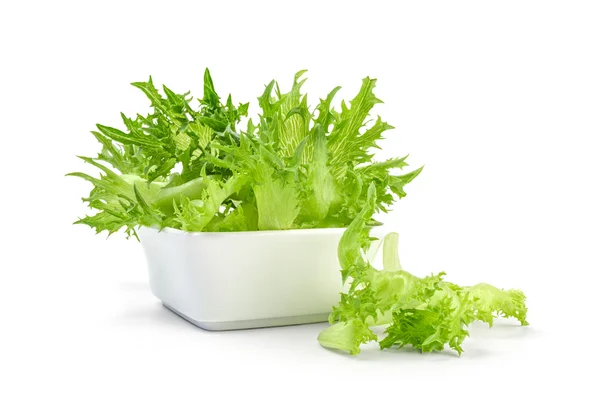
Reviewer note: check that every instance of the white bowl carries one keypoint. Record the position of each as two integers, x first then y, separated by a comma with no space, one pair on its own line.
240,280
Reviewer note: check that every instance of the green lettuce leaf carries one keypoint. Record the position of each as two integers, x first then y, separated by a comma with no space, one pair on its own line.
347,336
426,313
296,168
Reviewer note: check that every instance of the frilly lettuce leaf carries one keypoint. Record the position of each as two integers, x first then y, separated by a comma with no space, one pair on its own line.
296,168
426,313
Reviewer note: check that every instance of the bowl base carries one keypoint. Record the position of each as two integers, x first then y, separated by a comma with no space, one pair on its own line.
252,323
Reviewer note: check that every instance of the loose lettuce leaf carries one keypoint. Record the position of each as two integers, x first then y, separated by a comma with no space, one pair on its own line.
426,313
347,336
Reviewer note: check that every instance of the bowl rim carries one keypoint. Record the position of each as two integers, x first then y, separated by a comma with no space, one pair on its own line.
303,231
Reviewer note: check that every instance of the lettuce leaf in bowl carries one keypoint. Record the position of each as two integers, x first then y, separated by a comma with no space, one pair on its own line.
191,165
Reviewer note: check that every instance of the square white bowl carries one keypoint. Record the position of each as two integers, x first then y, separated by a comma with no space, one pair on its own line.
240,280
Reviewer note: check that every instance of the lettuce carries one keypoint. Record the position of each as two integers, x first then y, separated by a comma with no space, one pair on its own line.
191,165
425,313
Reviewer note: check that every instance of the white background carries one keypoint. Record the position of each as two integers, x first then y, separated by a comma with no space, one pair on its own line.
499,99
